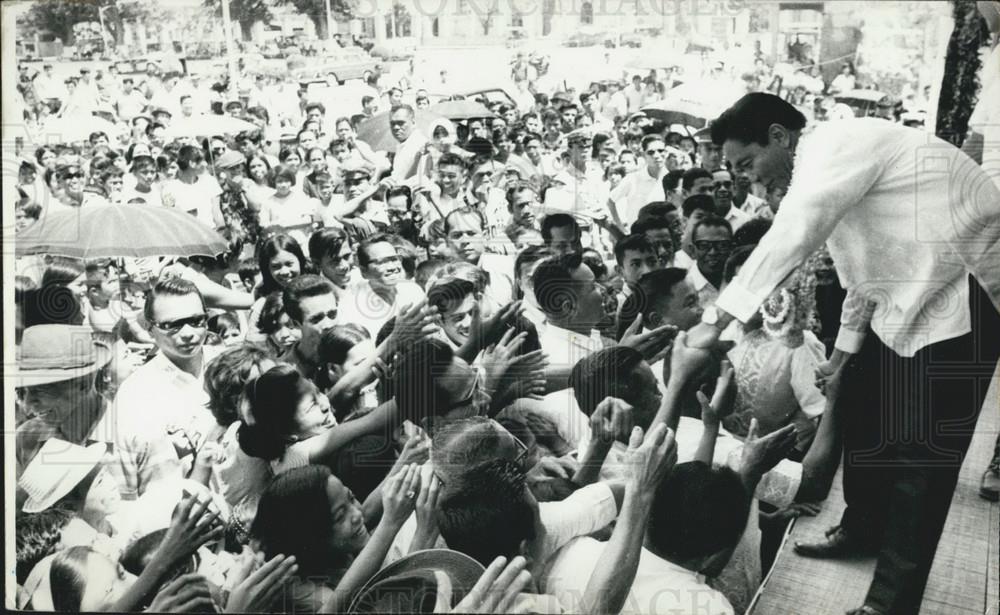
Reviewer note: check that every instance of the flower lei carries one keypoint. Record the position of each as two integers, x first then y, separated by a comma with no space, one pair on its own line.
775,313
792,309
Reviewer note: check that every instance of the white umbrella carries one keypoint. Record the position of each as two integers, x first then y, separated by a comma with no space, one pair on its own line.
76,128
206,125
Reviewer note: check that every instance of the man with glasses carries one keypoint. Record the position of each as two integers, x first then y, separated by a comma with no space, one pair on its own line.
165,399
722,185
383,292
712,238
643,186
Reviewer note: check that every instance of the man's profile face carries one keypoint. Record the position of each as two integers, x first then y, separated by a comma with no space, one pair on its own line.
770,164
456,321
682,309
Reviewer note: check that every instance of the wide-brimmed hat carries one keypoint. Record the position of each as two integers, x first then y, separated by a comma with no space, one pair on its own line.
55,470
430,581
55,353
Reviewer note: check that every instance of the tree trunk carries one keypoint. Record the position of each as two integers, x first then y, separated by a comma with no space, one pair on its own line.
322,28
960,85
246,29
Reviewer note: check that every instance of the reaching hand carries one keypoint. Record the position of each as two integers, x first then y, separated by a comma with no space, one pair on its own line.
414,322
498,588
795,510
721,405
686,360
489,331
611,421
416,450
650,344
256,592
549,468
524,377
760,455
399,495
426,506
192,526
650,458
187,593
828,378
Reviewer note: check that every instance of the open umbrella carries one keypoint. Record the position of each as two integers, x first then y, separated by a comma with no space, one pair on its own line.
77,128
458,110
119,231
693,104
206,125
375,130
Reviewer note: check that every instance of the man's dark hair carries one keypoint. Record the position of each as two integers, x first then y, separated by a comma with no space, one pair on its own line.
671,180
605,373
174,287
697,201
656,208
637,242
451,159
225,378
751,232
409,110
302,287
687,180
649,138
651,289
553,281
698,511
491,515
367,98
750,117
710,221
417,385
469,212
552,221
366,243
315,105
327,242
735,261
648,223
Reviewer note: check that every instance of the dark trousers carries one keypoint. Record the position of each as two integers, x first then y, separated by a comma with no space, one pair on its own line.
910,421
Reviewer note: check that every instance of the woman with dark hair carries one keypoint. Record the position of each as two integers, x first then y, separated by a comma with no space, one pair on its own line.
258,169
46,157
195,190
287,206
167,165
329,539
276,324
280,259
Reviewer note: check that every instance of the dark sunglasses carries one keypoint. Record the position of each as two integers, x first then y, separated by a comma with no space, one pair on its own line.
706,246
174,326
315,319
653,152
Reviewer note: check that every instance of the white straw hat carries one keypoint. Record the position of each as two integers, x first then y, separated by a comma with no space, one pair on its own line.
57,468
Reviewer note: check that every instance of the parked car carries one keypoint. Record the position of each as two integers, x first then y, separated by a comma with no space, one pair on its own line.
584,39
339,66
395,49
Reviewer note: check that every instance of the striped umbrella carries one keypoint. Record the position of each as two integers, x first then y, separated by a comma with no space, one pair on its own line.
119,231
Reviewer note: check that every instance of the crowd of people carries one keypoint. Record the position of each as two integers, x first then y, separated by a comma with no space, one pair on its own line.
565,358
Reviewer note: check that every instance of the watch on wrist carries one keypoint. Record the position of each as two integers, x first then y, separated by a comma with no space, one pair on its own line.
711,317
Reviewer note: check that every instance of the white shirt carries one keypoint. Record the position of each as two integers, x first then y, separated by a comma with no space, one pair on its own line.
985,117
404,164
295,209
707,294
635,98
196,198
737,217
635,191
362,306
903,232
757,207
565,347
660,587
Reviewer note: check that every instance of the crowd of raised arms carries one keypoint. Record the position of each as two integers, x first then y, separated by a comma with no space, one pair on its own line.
461,357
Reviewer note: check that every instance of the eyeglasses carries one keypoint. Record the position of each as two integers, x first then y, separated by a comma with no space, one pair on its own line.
174,326
707,246
315,319
74,175
522,449
653,152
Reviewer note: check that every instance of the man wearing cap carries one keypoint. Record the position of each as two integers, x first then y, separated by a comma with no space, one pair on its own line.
356,209
582,188
234,108
238,204
642,187
55,375
162,116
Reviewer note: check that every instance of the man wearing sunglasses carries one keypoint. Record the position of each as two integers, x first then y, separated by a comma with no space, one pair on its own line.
165,399
712,238
643,186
